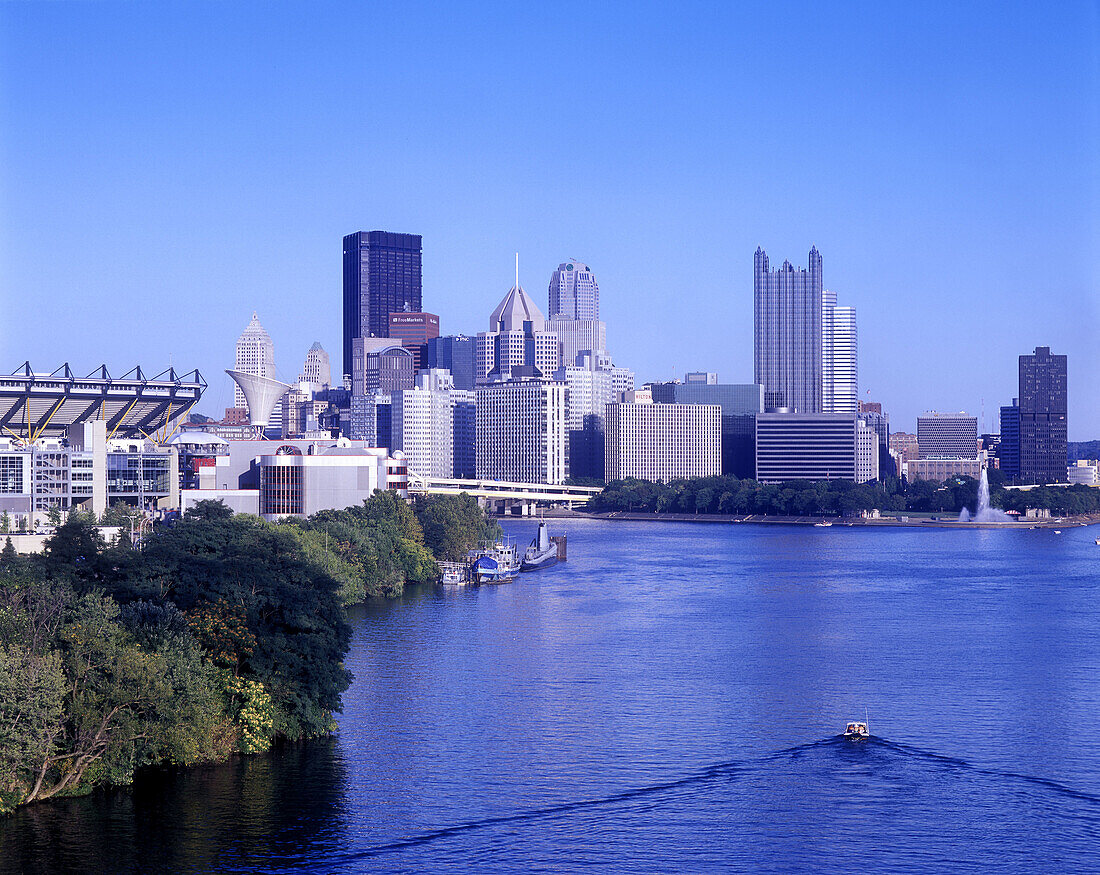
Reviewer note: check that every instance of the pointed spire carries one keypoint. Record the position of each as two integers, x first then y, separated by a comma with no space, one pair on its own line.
517,270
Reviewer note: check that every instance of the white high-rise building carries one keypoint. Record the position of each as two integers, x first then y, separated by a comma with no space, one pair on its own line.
423,424
589,389
578,335
839,365
575,312
517,342
316,368
574,293
867,444
255,356
622,380
521,434
662,442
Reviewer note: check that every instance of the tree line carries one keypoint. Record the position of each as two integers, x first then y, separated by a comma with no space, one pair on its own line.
223,634
735,497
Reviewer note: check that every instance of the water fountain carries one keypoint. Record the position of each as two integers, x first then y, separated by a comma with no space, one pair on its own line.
984,513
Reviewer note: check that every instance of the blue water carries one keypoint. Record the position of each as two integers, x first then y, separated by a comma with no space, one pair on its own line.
669,700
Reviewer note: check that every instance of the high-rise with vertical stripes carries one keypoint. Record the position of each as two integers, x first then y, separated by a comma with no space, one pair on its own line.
788,306
840,363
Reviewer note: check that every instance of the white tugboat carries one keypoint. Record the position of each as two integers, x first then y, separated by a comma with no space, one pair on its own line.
542,553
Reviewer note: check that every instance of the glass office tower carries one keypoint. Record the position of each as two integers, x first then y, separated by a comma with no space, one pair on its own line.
382,275
787,341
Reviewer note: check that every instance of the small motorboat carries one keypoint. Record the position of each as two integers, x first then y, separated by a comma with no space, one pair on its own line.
453,574
490,569
1098,542
856,731
824,524
496,563
1057,531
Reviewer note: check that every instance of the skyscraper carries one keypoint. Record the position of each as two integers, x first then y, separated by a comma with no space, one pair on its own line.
382,275
839,365
521,433
739,402
517,341
317,368
662,442
787,346
455,353
1043,404
255,356
414,330
589,389
574,293
575,312
422,424
1008,450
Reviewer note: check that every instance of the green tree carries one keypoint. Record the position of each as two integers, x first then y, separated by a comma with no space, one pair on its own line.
110,684
454,524
121,514
32,694
208,510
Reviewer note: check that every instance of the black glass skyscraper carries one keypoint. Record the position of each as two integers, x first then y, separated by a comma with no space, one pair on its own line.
1043,404
382,275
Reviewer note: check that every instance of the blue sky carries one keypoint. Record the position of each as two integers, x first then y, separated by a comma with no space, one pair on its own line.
167,168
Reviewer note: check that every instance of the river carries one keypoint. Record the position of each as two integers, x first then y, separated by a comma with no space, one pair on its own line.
670,699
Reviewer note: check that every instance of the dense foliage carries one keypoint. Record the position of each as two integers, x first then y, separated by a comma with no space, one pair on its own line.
453,525
1083,450
729,495
221,634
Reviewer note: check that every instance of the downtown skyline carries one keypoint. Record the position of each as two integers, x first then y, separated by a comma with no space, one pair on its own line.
958,216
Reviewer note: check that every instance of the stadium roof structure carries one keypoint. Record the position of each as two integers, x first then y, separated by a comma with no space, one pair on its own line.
35,405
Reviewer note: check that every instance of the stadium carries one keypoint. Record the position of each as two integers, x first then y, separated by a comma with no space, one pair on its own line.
36,405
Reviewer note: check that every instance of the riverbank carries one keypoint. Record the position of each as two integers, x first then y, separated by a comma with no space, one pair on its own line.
913,521
104,668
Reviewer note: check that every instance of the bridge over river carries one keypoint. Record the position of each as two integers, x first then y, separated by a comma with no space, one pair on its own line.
504,497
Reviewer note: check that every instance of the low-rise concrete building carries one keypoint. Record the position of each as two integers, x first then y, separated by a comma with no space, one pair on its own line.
943,469
1085,472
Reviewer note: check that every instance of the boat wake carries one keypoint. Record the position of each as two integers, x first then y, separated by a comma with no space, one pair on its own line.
711,773
723,771
962,765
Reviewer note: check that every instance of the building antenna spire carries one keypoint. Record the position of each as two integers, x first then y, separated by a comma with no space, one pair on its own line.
517,271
